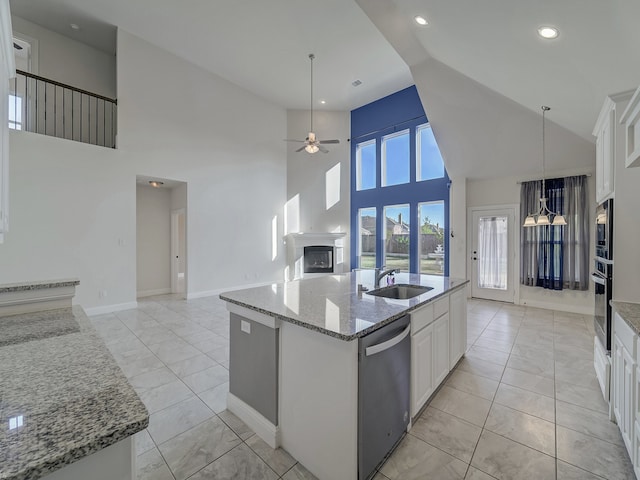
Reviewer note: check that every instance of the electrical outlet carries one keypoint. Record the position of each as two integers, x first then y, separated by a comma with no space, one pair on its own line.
102,293
245,326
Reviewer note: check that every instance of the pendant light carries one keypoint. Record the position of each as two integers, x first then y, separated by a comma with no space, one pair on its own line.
544,216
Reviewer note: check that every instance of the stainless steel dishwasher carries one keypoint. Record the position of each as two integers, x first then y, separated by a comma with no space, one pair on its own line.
384,358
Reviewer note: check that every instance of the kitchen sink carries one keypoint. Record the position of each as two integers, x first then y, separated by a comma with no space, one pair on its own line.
400,292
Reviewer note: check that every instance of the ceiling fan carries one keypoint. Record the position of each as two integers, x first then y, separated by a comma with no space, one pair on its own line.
311,143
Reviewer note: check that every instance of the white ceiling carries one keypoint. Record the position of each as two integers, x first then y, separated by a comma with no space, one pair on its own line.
263,46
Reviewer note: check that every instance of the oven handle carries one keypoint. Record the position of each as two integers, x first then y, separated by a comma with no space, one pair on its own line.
597,279
603,260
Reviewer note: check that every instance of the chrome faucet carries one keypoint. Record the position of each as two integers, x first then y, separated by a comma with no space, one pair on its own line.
381,274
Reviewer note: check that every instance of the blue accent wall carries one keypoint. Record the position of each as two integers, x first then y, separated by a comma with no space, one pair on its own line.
399,111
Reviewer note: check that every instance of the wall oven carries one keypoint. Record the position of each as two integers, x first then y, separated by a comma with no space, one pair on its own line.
604,230
603,282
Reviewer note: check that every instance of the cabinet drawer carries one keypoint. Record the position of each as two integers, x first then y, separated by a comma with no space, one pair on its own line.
421,317
440,307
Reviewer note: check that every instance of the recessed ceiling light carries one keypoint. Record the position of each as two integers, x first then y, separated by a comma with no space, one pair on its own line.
356,83
548,32
156,183
420,20
323,102
74,26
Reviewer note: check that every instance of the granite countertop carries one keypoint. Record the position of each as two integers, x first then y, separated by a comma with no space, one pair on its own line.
332,305
62,395
630,313
22,286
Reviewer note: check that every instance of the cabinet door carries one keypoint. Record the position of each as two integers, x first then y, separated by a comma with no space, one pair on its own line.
628,406
605,154
422,385
457,326
440,349
617,378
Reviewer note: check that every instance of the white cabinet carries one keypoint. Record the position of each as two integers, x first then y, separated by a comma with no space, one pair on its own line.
441,349
436,344
631,124
457,326
422,384
624,381
604,132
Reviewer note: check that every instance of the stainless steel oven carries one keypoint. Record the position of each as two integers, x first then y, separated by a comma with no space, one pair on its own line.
602,279
604,230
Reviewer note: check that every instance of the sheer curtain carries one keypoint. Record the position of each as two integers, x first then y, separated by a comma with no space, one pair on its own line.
493,243
556,257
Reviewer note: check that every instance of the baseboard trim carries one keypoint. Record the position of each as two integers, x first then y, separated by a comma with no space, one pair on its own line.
151,293
562,307
266,430
116,307
218,291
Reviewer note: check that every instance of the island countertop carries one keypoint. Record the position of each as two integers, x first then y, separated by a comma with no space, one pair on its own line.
62,395
333,305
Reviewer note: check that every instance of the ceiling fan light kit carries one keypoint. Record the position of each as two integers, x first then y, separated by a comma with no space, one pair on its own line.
311,143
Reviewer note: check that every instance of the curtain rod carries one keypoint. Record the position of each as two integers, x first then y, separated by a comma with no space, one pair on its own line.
519,182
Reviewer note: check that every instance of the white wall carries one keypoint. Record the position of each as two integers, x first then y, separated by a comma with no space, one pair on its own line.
153,240
320,181
504,191
72,215
178,121
73,206
71,62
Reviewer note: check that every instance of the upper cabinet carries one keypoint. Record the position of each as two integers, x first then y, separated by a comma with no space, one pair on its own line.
609,143
630,122
604,132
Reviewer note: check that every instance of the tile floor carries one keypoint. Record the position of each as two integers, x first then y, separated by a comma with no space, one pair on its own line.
523,404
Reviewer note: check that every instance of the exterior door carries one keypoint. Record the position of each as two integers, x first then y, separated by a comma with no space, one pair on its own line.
493,254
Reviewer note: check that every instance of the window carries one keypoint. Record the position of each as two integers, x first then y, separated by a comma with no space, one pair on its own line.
395,159
366,165
431,239
555,257
367,238
396,237
429,162
399,209
15,112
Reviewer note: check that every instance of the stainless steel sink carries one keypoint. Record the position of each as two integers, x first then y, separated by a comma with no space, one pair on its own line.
400,292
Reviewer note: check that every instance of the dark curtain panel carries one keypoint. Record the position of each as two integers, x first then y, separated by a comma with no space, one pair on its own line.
529,204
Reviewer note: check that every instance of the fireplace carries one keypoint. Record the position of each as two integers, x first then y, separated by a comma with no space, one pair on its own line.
318,259
314,254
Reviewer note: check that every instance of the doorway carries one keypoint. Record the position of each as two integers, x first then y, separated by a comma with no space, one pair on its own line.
493,253
178,250
161,236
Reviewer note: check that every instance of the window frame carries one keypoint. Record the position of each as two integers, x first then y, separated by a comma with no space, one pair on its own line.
412,193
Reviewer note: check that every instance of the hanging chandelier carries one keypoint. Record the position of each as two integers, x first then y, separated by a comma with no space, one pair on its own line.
544,216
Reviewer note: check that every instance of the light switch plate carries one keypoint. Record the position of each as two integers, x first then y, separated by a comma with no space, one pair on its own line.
245,326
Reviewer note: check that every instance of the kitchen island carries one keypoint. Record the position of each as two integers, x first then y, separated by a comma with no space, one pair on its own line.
66,409
294,358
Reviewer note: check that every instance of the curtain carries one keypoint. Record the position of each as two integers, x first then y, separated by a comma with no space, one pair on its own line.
556,257
493,243
529,204
576,235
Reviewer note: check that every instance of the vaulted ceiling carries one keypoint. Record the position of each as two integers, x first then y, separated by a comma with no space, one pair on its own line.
493,45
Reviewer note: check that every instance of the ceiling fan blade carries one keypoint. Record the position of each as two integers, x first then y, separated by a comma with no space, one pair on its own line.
329,141
301,148
290,140
322,149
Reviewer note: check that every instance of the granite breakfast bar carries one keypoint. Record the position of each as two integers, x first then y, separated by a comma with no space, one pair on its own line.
66,409
294,359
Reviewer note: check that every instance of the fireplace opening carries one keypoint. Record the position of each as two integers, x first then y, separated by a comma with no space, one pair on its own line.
318,259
